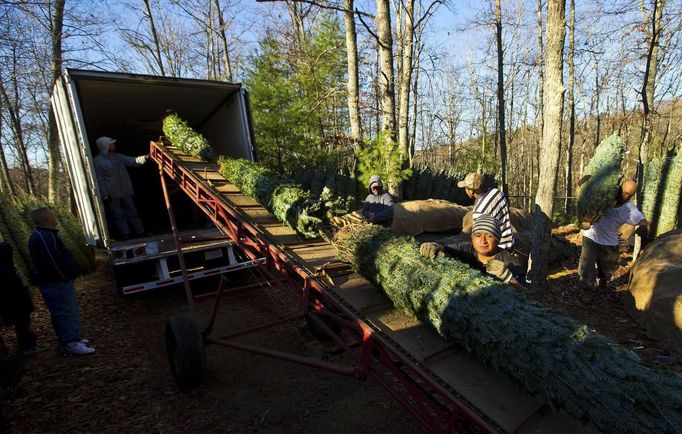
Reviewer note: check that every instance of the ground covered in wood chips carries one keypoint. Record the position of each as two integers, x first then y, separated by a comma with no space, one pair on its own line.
126,386
606,313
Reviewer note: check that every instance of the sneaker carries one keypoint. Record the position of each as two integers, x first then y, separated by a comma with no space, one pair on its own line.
33,350
85,341
77,348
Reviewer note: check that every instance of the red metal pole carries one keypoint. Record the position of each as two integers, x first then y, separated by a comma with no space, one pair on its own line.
178,247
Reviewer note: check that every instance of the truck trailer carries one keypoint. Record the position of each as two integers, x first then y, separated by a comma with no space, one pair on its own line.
130,108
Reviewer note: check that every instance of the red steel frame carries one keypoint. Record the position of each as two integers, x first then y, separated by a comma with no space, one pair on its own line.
437,407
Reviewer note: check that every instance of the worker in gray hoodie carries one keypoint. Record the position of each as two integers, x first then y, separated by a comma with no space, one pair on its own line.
377,207
117,189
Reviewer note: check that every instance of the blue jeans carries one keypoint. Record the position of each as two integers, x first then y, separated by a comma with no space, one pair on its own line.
124,216
60,299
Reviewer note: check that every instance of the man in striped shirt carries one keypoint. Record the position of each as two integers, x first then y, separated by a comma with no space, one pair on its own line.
491,202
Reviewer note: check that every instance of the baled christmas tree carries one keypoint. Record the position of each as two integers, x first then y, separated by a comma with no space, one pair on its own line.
599,192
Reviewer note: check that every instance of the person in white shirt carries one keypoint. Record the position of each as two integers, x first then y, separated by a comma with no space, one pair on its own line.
600,242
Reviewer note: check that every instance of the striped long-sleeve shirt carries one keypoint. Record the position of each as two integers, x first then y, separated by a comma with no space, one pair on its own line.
494,204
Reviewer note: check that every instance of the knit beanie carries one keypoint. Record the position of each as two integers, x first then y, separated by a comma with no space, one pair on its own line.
487,224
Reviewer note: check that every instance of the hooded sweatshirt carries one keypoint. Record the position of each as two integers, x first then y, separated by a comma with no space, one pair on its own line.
112,175
52,261
380,204
15,299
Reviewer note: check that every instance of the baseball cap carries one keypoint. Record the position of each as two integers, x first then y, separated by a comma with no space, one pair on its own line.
104,141
472,181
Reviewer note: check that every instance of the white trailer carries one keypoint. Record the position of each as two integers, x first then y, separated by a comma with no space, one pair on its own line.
130,108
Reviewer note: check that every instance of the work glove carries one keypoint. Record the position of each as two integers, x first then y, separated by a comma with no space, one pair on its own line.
499,269
430,250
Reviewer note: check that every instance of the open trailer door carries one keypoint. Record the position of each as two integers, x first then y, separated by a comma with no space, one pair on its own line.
76,156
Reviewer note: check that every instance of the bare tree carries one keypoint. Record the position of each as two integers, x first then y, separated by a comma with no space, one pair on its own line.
551,141
571,104
653,21
541,74
155,37
11,99
353,79
386,79
5,183
53,153
501,128
405,78
222,30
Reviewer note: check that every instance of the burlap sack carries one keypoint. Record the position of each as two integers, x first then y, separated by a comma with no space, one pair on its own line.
655,291
431,215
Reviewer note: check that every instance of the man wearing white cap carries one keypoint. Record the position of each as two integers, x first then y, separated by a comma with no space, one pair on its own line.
117,189
491,202
482,253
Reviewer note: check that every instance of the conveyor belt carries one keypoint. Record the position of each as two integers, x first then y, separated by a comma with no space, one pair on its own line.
489,394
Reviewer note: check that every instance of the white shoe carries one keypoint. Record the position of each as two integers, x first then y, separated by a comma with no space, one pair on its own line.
78,348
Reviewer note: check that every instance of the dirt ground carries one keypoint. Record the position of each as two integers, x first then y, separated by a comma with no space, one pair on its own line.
126,386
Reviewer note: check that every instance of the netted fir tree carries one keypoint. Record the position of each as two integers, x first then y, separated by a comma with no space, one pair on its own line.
70,229
287,201
549,354
15,231
181,135
650,192
599,192
668,219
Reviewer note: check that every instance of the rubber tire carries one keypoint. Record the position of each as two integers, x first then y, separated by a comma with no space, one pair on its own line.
185,348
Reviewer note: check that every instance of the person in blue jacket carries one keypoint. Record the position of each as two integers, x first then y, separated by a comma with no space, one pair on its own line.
54,270
377,207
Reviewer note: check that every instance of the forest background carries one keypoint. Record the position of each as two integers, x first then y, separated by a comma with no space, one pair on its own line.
521,90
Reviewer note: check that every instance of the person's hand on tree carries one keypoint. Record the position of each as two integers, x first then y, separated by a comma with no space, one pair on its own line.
588,218
430,250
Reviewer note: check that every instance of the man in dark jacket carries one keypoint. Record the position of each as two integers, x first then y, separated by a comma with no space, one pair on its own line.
378,205
15,302
482,253
54,272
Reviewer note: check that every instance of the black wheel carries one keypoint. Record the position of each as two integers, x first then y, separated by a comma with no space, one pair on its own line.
185,348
